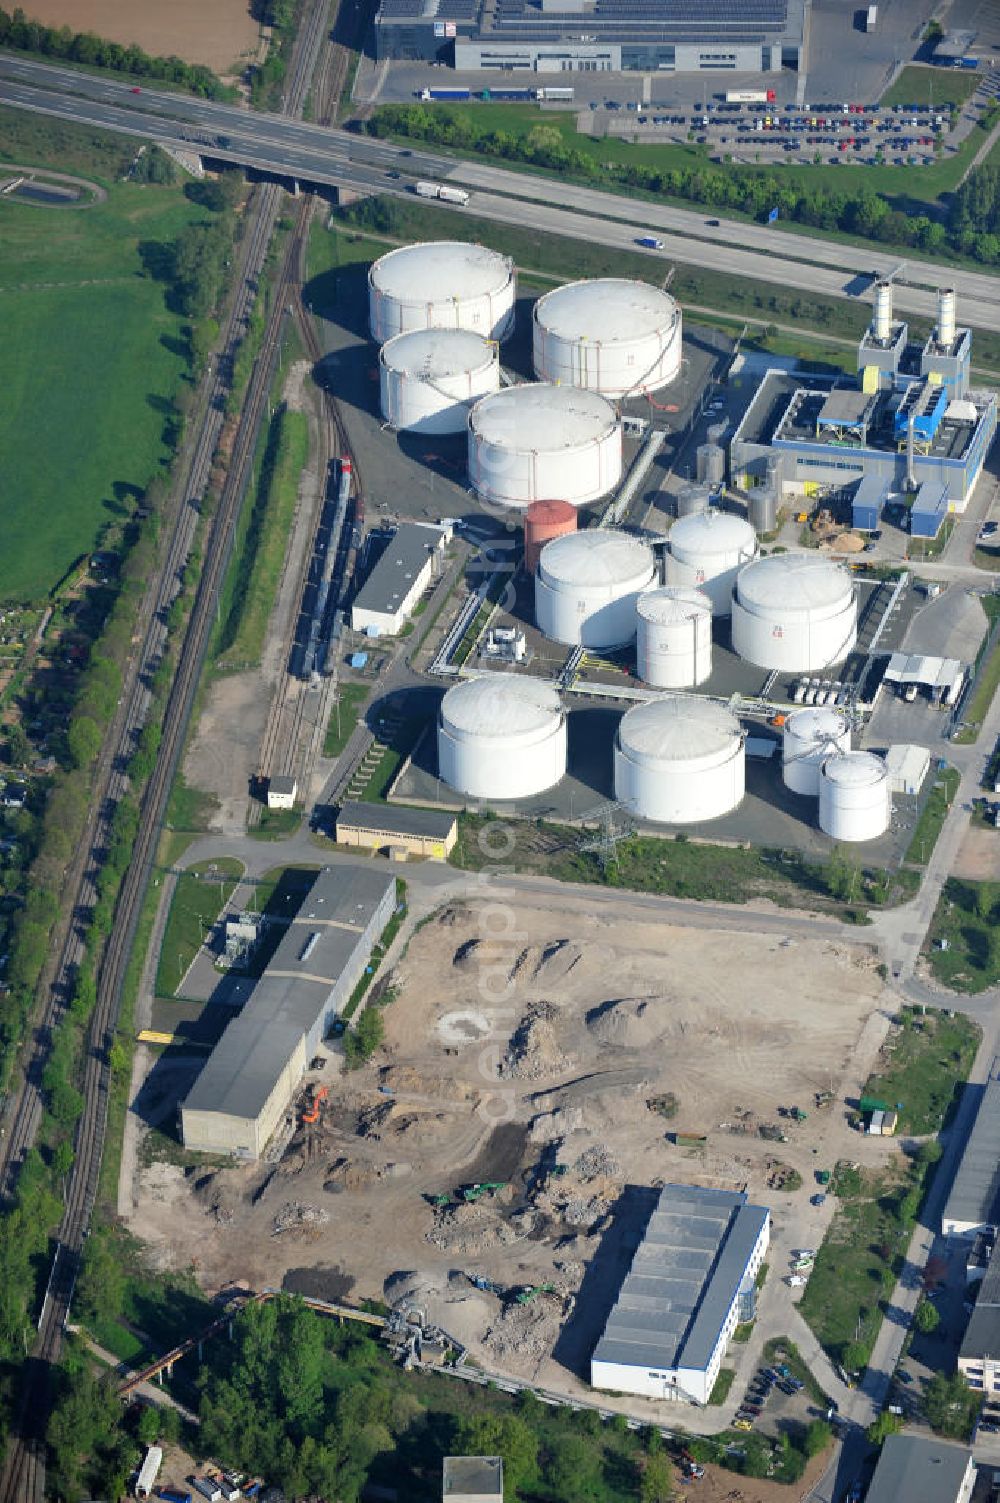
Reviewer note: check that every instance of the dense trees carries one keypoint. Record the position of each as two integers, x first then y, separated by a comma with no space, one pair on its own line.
17,31
91,1454
972,226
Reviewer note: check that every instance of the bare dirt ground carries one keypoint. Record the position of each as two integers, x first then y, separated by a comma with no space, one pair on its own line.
222,35
979,855
515,1047
224,751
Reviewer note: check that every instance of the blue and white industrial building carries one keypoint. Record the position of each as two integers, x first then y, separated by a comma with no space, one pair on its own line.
691,1282
602,36
252,1073
910,424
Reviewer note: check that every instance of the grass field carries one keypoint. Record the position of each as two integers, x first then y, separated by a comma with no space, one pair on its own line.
966,922
262,540
344,717
90,361
932,86
199,897
928,1059
858,1263
933,816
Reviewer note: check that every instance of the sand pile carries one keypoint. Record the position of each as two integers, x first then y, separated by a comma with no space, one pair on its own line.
629,1022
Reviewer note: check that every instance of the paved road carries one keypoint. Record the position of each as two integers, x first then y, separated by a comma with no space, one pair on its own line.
314,153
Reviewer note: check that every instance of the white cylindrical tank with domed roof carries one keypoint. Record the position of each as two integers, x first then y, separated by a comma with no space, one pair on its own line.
441,284
810,735
679,760
608,335
706,550
855,797
501,737
539,443
794,612
587,585
430,378
673,648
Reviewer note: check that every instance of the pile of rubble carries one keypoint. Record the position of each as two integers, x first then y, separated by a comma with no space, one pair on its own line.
293,1216
533,1050
474,1229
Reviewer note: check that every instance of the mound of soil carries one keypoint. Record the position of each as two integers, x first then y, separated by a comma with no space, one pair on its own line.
629,1022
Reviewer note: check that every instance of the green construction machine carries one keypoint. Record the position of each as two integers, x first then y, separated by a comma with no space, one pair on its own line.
470,1193
527,1294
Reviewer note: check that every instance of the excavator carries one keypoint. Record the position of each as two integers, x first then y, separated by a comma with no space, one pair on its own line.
319,1096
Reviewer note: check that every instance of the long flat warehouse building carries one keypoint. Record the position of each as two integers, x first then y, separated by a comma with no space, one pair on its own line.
974,1202
680,1302
588,36
253,1071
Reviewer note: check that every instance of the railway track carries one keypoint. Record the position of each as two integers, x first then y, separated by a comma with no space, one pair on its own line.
296,725
22,1479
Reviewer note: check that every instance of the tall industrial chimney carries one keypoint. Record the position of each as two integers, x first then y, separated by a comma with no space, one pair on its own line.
946,318
882,320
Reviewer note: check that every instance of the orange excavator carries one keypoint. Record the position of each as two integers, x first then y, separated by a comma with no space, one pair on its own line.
320,1095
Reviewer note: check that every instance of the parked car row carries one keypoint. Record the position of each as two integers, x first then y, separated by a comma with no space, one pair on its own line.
780,1376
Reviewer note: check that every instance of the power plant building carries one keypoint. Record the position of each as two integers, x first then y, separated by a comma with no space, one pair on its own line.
252,1073
717,37
680,1302
911,423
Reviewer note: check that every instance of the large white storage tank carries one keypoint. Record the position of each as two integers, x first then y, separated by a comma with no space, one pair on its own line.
608,335
679,760
430,378
855,797
809,737
535,442
441,284
673,648
587,585
706,551
501,737
794,612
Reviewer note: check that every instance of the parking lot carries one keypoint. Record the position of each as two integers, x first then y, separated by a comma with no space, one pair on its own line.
860,133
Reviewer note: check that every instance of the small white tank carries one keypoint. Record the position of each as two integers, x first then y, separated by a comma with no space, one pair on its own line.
706,552
855,797
810,736
673,637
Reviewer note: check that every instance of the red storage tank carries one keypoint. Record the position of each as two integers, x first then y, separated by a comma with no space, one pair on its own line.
543,521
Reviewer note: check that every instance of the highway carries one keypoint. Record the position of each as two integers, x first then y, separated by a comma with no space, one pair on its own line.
329,156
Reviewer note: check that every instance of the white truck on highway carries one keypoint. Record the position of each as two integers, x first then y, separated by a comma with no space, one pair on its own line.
440,190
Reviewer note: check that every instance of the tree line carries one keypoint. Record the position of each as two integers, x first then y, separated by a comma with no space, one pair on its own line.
59,42
971,226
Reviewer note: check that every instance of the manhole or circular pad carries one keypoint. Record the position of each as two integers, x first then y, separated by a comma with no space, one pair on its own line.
463,1027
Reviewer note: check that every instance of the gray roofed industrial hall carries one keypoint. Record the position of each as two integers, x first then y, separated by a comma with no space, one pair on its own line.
913,1469
293,994
974,1200
392,578
684,1278
395,819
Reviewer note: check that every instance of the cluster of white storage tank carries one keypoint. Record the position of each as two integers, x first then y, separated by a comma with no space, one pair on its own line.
439,310
853,787
678,759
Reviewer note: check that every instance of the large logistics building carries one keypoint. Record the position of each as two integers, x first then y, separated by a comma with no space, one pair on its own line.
680,1302
251,1075
602,36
